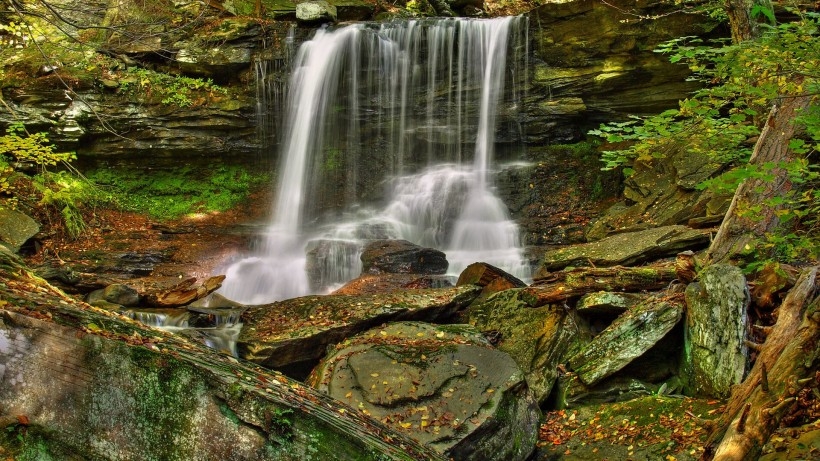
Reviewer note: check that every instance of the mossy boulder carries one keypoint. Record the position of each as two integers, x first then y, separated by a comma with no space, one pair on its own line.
444,386
297,331
629,337
537,338
629,248
715,352
16,228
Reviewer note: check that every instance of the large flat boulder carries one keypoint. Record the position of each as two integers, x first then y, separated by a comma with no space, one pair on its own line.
402,257
629,248
298,331
444,386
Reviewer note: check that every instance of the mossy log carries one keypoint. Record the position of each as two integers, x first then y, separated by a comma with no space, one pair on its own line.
788,361
557,287
96,385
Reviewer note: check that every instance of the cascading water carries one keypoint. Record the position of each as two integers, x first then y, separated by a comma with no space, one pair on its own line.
400,103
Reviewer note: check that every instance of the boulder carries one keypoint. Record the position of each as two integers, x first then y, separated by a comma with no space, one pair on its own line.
607,302
402,257
297,331
222,52
444,386
16,228
115,293
315,11
715,353
537,338
629,337
629,248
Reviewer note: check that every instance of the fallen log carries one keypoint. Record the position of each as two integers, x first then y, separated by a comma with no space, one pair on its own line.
786,363
558,287
93,384
185,292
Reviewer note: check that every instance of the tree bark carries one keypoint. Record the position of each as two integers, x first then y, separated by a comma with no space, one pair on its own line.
739,230
788,357
96,384
564,285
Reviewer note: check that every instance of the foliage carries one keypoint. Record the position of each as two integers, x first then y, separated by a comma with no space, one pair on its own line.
173,90
174,193
741,82
64,191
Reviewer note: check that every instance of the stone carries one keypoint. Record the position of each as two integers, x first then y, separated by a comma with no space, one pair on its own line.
629,248
715,354
629,337
115,293
572,393
537,338
386,283
297,331
402,257
607,302
313,11
444,386
16,228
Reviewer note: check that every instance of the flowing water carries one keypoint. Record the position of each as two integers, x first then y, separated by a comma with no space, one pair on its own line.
411,108
216,328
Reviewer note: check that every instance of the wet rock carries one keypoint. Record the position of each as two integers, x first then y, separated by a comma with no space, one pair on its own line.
715,354
629,337
353,10
298,331
116,293
445,386
315,11
402,257
537,338
628,248
572,393
16,228
331,261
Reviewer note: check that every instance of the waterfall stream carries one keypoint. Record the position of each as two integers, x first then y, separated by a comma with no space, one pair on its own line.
411,108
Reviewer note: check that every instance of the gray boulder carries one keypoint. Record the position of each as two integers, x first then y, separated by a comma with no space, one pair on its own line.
444,386
116,293
314,11
715,354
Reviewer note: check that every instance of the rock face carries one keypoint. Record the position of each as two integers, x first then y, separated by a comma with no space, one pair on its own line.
402,257
445,386
715,354
663,192
535,337
16,228
632,334
628,248
298,331
593,60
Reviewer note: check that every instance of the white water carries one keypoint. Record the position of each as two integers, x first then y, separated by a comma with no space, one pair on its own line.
455,70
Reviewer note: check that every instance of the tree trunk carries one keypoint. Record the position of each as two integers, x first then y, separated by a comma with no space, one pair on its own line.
787,362
94,384
738,229
564,285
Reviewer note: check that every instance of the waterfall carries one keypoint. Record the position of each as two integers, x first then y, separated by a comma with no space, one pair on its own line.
404,114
